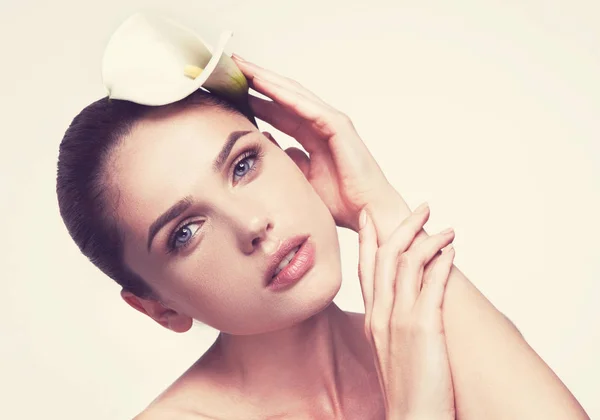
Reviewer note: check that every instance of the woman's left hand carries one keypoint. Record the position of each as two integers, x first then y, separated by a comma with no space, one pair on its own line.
339,166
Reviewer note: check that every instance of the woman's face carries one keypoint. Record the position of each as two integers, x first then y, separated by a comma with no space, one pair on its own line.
209,260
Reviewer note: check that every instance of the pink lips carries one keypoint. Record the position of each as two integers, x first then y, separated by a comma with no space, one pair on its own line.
298,266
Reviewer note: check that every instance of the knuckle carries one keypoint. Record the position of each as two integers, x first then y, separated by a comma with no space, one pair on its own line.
428,280
421,256
421,327
324,122
378,328
379,340
333,121
384,252
399,325
406,260
424,249
367,330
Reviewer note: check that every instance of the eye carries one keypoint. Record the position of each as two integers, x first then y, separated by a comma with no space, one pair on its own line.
244,165
182,236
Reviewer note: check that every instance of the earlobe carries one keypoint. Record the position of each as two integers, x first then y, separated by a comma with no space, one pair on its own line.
178,323
166,317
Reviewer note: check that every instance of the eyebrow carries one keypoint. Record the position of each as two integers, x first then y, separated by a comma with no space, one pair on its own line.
182,205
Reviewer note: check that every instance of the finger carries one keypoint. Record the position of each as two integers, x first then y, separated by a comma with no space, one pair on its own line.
286,122
354,152
386,264
367,239
300,159
386,269
325,120
431,264
367,248
403,236
411,266
251,71
432,293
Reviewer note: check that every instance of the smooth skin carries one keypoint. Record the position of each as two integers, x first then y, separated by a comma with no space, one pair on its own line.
323,366
482,342
403,289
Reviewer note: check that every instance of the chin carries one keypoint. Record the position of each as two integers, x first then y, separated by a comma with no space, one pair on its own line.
308,298
319,296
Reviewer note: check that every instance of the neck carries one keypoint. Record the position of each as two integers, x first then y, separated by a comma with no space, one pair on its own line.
315,361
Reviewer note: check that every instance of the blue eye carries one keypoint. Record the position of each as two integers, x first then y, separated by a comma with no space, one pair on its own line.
248,161
245,165
181,237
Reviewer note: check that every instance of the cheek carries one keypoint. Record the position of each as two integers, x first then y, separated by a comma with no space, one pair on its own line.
281,178
211,288
297,195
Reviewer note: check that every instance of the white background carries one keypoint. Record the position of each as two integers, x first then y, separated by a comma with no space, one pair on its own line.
488,110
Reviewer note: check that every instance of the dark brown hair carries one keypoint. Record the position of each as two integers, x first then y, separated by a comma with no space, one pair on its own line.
81,185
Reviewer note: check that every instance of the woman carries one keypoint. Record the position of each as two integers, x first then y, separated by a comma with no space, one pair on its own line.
199,216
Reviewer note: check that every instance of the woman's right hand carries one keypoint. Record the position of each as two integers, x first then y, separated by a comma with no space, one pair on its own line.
403,288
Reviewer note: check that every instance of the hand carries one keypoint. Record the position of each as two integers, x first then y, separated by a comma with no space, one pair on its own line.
403,317
339,166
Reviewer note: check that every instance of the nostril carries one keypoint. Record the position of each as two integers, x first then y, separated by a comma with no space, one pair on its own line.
255,241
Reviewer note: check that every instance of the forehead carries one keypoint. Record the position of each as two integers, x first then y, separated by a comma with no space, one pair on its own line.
164,158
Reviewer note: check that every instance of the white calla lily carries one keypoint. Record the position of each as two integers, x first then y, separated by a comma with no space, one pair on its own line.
155,61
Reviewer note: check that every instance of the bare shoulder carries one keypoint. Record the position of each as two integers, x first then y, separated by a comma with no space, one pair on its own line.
182,403
169,414
203,392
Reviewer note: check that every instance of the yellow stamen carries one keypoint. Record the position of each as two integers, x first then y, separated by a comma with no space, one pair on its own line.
192,71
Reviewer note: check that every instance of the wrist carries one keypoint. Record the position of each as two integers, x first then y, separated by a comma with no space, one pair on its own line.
387,209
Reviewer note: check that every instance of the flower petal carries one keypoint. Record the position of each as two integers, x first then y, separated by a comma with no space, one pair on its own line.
227,79
145,58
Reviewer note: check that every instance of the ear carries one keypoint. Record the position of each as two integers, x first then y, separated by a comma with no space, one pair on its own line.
166,317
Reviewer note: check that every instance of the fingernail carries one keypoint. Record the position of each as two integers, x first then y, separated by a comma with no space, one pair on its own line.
362,219
237,57
422,208
449,248
449,230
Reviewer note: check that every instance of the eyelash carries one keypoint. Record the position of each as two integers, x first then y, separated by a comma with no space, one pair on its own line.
252,151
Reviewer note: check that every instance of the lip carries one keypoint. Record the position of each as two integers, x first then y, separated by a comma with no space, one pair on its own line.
283,278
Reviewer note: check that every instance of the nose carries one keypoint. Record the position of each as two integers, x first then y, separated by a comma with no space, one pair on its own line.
252,225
